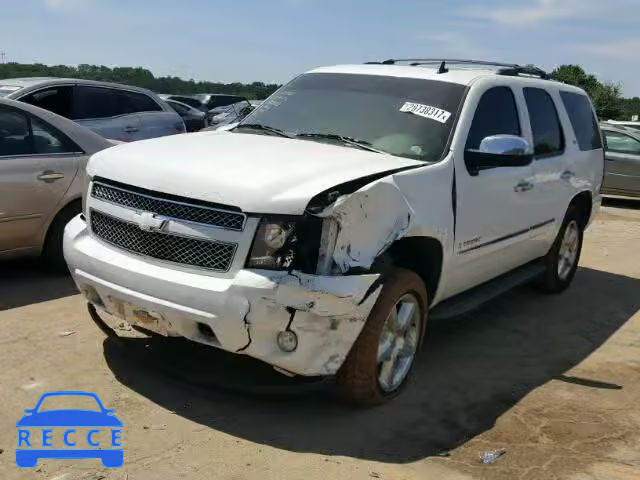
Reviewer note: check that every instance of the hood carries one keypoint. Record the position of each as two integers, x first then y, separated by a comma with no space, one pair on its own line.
257,173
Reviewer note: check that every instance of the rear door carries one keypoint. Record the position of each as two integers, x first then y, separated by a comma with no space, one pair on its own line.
153,121
552,166
104,111
622,163
37,166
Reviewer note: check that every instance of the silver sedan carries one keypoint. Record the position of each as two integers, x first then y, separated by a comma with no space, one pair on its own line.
42,162
622,154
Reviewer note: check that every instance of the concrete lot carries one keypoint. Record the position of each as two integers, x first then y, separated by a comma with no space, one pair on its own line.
554,380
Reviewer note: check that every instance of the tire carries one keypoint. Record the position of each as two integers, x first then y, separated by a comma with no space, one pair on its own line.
52,251
359,379
559,274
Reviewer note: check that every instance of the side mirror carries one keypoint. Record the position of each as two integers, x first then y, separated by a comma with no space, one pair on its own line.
499,151
28,410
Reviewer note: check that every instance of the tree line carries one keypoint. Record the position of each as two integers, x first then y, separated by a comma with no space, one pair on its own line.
139,77
606,96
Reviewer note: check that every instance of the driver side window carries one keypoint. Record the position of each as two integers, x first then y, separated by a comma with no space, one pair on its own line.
497,114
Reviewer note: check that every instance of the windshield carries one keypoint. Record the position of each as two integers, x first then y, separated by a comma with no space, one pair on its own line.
402,116
8,89
69,402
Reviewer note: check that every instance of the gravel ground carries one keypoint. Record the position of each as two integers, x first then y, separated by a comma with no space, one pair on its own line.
552,381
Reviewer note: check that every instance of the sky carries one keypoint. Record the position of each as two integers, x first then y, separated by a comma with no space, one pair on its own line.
273,40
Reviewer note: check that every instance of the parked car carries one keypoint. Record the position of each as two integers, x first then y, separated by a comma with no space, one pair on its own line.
622,155
114,111
207,101
625,124
359,201
229,113
193,118
42,160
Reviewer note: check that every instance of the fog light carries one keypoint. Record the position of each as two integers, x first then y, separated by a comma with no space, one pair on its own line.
287,341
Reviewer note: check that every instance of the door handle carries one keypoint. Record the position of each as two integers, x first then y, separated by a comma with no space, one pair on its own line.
567,175
523,186
130,129
49,176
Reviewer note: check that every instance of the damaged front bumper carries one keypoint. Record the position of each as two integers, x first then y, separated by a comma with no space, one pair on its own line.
243,312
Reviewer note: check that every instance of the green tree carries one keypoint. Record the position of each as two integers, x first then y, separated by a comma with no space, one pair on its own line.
630,107
606,97
137,76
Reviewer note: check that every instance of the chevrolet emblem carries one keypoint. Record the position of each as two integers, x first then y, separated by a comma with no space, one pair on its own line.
150,222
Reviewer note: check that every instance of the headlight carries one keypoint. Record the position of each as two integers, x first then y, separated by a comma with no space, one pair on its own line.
284,243
274,245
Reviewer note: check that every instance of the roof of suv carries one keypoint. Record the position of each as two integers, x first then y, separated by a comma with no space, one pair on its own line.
463,75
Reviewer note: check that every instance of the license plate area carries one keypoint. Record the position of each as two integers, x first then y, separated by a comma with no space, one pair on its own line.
140,316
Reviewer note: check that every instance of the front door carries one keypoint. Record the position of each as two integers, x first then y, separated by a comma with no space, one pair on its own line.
493,212
37,166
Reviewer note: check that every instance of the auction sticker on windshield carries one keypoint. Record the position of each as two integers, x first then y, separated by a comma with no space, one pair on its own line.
426,111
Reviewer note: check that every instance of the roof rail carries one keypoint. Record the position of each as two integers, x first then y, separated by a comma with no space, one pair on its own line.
512,69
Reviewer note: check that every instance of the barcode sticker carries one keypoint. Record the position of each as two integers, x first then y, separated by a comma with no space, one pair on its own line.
426,111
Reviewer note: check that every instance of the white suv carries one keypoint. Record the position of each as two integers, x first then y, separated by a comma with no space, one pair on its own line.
357,202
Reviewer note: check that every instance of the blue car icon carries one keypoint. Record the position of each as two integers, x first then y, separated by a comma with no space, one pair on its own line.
102,418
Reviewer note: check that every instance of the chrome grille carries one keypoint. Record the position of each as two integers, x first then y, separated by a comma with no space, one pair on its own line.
169,208
209,254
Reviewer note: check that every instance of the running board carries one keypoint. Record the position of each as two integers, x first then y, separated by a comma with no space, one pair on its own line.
477,296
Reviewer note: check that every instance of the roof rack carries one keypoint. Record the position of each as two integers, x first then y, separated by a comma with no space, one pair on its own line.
511,69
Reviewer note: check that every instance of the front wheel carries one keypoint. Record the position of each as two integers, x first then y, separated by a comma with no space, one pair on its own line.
562,260
52,251
381,359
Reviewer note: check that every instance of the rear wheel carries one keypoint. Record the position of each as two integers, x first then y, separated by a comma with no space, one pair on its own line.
380,361
562,260
52,252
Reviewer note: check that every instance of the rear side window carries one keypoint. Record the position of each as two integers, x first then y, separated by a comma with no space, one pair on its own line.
56,100
497,114
133,102
100,102
95,102
583,121
621,143
548,138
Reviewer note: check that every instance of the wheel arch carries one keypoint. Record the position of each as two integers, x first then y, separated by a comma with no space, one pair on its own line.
583,202
422,255
70,202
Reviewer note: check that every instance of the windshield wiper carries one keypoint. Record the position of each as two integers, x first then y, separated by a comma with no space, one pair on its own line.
354,142
264,128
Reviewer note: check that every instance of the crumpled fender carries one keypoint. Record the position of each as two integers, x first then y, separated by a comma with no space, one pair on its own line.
370,220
